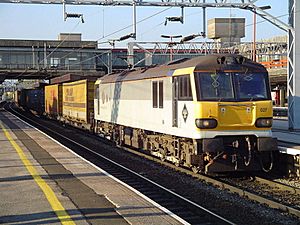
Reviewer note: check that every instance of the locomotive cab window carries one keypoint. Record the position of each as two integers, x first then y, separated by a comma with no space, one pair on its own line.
157,94
238,86
184,88
251,86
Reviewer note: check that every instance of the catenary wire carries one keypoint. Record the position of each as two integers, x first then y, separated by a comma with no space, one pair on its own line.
60,43
251,24
124,28
76,50
87,45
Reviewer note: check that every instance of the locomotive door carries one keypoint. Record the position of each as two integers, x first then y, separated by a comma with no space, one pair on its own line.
175,102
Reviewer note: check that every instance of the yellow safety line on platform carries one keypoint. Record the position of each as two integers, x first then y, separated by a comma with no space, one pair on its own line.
49,193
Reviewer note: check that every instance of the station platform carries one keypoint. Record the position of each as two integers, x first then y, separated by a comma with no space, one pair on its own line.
280,130
43,182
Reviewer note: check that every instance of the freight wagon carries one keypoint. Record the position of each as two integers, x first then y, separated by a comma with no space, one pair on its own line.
31,99
53,100
78,103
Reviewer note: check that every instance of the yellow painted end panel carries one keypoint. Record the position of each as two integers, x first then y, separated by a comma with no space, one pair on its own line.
53,99
60,99
91,88
234,115
188,70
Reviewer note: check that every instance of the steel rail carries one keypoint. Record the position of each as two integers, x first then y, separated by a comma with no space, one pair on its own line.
278,185
223,185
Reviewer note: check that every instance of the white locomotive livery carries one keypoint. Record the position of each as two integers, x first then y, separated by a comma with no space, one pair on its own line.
210,113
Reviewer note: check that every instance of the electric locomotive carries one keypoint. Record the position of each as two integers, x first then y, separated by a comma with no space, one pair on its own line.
210,113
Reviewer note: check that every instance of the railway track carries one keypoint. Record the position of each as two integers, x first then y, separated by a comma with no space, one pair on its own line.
193,214
274,194
265,191
184,208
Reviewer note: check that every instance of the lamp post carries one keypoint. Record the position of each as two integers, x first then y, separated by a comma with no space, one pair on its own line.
171,43
254,38
254,31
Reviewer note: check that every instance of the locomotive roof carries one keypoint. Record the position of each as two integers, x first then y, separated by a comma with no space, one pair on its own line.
200,63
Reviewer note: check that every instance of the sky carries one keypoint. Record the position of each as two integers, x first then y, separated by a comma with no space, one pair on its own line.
45,22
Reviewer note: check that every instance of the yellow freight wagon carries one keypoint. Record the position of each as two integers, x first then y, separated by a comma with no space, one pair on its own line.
78,101
53,100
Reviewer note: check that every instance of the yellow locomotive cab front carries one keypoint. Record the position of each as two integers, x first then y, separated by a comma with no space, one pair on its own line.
233,117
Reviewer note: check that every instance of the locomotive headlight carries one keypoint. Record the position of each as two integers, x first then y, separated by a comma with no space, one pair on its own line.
206,123
264,122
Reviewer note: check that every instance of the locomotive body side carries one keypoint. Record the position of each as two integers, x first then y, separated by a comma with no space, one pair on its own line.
144,104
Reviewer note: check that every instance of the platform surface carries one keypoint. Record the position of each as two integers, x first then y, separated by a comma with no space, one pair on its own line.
42,182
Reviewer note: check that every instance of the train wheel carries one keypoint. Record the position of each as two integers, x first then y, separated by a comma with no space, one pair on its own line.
266,161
